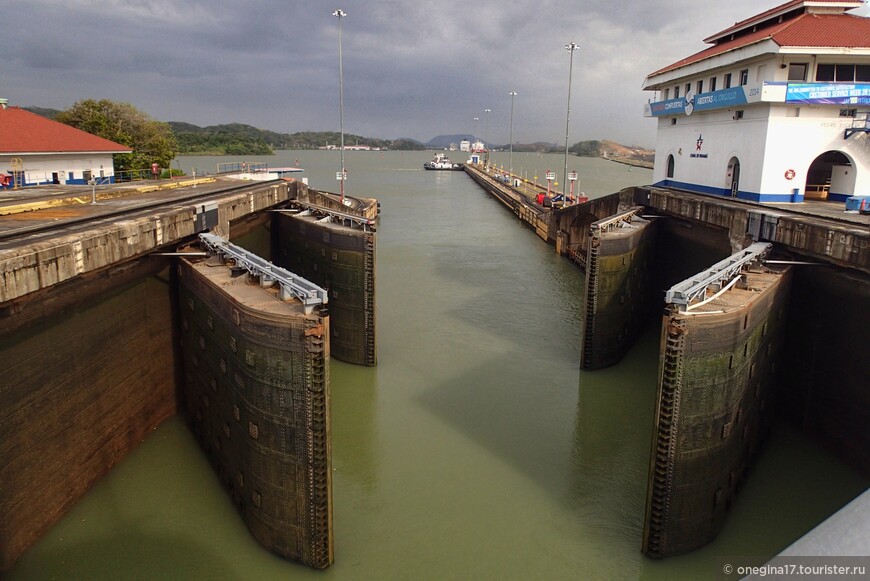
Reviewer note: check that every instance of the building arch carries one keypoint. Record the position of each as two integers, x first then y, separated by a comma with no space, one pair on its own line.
670,166
732,176
831,176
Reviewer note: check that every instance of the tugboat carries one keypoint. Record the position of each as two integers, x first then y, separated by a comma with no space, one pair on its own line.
440,162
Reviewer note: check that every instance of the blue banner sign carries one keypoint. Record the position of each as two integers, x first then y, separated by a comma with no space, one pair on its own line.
669,107
703,102
720,99
828,93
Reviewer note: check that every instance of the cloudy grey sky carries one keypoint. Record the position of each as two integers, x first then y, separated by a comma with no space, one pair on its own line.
411,69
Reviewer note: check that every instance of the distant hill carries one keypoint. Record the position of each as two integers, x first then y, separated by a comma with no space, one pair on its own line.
537,147
241,139
444,141
44,111
233,137
630,154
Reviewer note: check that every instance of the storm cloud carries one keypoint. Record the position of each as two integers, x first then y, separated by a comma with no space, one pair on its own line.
411,69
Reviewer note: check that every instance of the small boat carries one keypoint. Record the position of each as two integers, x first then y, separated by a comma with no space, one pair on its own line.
440,162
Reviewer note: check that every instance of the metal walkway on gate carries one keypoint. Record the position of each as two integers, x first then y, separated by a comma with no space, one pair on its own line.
719,275
291,285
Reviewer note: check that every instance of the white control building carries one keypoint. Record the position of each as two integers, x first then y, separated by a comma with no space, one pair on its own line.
775,110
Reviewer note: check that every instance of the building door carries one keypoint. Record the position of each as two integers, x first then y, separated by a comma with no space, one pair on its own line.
734,175
830,176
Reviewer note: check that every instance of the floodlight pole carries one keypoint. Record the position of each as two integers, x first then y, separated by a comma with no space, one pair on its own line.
511,138
570,48
343,173
486,133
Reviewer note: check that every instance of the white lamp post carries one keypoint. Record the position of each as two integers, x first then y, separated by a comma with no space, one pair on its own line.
511,158
342,175
486,130
570,48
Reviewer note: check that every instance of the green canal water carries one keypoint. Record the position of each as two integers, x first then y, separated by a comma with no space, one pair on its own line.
476,449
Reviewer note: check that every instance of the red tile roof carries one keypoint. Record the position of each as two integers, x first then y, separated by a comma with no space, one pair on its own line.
807,30
24,132
781,10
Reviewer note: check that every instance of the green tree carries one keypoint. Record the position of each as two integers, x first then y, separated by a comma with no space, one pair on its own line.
586,148
151,141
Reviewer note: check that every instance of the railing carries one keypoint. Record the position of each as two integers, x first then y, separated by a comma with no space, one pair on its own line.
816,191
683,294
860,123
290,284
242,166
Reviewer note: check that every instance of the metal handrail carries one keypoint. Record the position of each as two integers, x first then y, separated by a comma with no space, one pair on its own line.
682,294
291,284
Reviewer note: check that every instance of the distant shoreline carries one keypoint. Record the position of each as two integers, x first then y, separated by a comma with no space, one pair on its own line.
632,162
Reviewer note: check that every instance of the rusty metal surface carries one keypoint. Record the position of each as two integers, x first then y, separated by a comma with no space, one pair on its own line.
618,287
716,380
257,391
343,260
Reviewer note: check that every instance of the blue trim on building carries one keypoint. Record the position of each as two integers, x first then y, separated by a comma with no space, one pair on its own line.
832,197
73,182
726,193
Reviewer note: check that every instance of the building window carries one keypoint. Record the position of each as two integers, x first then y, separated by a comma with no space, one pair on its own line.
842,73
666,95
845,73
797,71
676,92
699,88
670,166
712,84
744,77
824,73
673,120
688,89
848,112
738,114
726,81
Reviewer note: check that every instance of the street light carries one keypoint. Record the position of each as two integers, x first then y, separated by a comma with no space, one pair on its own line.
570,48
342,175
511,158
486,135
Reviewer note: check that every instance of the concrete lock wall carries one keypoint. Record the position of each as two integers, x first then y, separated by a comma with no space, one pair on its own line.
619,286
89,372
257,390
716,380
342,260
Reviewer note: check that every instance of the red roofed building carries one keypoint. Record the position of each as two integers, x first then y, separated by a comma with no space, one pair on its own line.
36,150
775,110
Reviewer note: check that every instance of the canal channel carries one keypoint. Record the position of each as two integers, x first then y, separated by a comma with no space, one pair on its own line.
476,448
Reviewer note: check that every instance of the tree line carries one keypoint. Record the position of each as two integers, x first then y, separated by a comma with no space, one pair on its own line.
157,141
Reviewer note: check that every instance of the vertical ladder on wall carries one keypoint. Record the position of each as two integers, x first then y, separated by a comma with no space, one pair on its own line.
369,290
591,300
666,437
